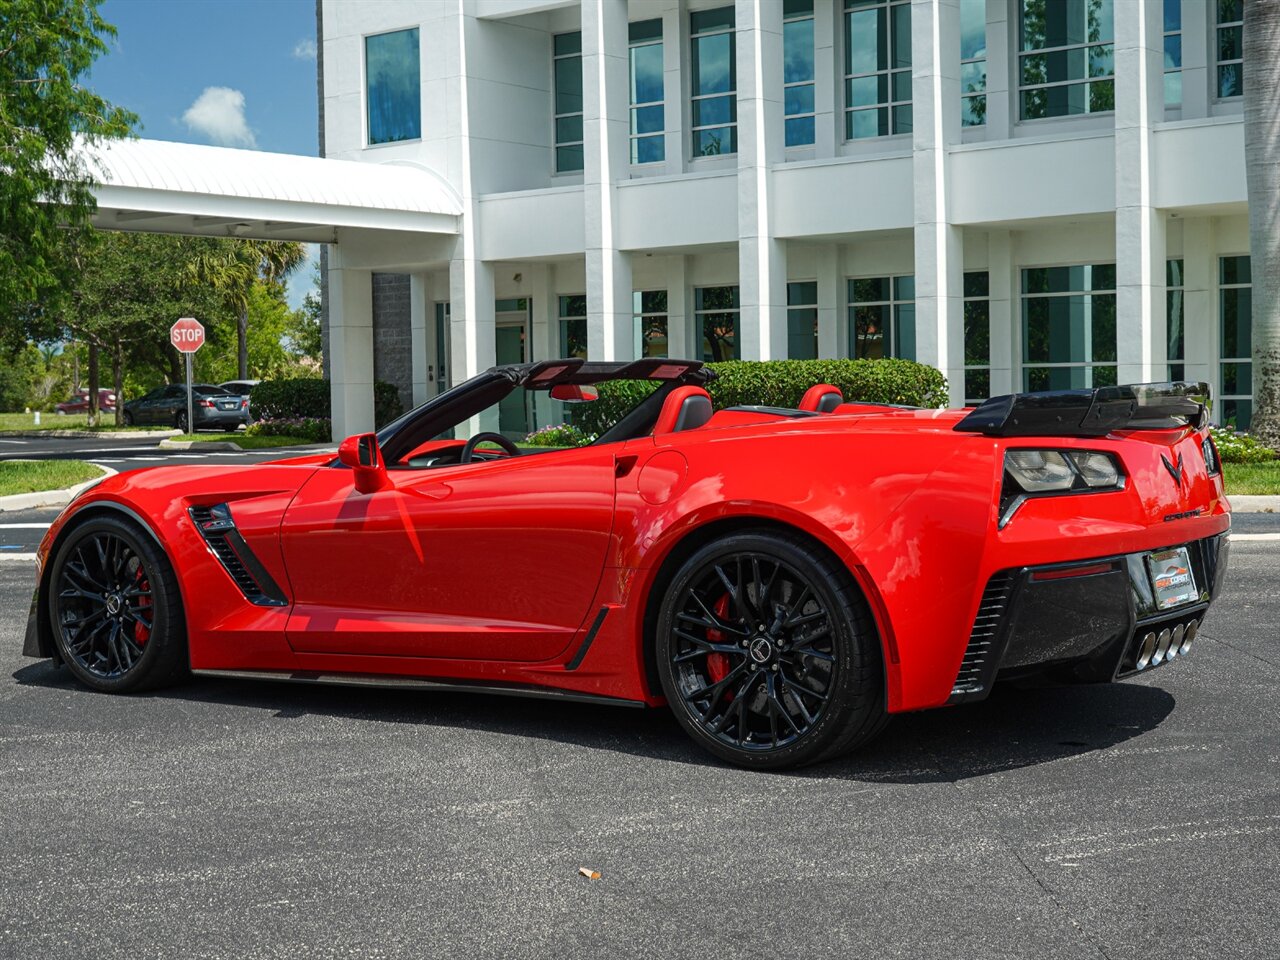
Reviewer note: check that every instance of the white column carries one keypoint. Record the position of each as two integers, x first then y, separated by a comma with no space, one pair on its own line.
939,264
544,338
762,259
1199,74
606,124
1200,300
831,300
1002,107
682,340
421,330
350,348
471,318
828,121
1140,241
1006,312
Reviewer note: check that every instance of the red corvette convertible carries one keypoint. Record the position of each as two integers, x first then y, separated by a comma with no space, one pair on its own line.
783,579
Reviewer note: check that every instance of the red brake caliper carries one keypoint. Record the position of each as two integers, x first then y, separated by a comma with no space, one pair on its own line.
718,663
142,634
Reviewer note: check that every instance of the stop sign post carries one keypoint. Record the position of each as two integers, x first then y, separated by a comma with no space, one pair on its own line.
187,336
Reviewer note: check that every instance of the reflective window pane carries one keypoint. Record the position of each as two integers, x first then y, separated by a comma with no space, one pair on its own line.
646,73
713,66
799,131
392,86
973,29
797,44
798,99
569,85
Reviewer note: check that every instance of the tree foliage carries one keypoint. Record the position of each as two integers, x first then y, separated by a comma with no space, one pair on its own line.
46,114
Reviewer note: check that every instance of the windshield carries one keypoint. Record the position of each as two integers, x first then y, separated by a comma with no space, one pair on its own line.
533,418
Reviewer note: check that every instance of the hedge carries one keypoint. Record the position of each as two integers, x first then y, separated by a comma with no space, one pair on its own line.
781,383
308,398
315,429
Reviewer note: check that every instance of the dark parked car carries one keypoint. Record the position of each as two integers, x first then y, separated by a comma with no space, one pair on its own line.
241,388
212,409
80,402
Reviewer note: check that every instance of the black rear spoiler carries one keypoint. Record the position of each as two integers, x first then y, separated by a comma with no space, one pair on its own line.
1092,413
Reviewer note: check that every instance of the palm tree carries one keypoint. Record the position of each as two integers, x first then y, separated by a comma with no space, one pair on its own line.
1262,170
234,266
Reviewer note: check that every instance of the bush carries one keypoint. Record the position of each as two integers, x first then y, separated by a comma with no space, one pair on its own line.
308,398
559,435
782,383
1240,447
315,429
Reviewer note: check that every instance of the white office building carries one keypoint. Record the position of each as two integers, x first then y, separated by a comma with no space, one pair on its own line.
1027,194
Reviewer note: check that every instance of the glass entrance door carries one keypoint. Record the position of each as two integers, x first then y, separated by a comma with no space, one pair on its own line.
512,346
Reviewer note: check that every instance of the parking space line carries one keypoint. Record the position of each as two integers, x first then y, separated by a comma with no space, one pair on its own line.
1255,536
24,526
22,557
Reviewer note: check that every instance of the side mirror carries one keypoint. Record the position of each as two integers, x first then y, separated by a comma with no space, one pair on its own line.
573,393
362,455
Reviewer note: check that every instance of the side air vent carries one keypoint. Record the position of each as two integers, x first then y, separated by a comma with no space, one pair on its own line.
218,529
976,667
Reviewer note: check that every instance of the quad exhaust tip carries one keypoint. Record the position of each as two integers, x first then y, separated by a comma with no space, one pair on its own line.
1189,636
1155,648
1146,651
1162,645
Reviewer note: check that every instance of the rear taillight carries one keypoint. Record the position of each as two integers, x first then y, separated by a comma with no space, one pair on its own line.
1211,462
205,403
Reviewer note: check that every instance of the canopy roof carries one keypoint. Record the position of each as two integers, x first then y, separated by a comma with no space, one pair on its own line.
161,187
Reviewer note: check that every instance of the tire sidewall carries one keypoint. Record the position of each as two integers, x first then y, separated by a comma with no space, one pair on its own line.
162,627
839,709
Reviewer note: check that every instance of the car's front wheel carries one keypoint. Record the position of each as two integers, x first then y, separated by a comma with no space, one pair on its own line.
115,608
128,419
767,652
180,421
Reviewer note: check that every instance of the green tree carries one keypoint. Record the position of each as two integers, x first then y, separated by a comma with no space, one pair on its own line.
129,294
235,267
46,115
1262,174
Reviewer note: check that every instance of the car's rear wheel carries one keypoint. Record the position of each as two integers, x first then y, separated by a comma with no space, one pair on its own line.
128,419
180,421
767,653
115,608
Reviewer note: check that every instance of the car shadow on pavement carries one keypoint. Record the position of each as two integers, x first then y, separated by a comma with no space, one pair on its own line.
1013,728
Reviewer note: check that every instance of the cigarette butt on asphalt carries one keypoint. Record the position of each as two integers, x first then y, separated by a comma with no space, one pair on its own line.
589,873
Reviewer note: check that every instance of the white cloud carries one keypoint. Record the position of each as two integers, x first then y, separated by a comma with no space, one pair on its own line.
218,113
304,50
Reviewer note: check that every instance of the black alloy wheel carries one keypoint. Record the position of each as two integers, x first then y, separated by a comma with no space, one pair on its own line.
767,653
180,421
114,607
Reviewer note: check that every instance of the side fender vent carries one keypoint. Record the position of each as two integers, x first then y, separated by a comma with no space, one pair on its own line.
216,526
977,666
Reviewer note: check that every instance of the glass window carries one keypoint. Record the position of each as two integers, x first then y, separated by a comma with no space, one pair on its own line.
802,320
1235,341
1066,63
1175,292
797,71
568,101
882,318
877,68
1230,48
648,123
573,326
714,82
973,62
716,313
392,73
442,346
1069,327
977,337
1173,53
650,308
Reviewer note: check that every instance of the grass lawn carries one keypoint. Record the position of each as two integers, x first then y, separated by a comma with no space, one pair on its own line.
30,476
51,421
1251,478
242,441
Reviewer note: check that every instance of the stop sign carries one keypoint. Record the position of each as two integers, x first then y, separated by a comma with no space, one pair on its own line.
187,335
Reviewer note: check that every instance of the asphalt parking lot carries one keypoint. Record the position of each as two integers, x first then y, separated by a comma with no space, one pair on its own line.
232,819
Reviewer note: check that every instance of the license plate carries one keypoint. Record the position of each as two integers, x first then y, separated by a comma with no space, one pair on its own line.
226,406
1172,578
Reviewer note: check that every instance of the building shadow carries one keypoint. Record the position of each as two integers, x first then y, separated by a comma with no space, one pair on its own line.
1013,728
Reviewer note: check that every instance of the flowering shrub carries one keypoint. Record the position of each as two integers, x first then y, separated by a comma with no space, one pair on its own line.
1240,447
315,429
559,435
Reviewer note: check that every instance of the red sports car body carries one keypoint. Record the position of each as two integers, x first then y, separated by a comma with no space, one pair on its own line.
784,579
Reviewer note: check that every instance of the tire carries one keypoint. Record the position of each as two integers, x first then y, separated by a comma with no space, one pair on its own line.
114,605
180,421
128,419
802,684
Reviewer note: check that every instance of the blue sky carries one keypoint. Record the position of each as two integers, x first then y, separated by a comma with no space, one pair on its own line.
237,73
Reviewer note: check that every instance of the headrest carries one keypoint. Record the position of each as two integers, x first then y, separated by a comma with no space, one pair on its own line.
685,408
822,399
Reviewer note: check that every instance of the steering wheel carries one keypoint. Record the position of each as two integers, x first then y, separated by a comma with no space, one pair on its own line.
470,448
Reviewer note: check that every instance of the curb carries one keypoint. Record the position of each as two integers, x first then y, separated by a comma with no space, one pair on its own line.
1241,503
50,498
210,445
91,434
